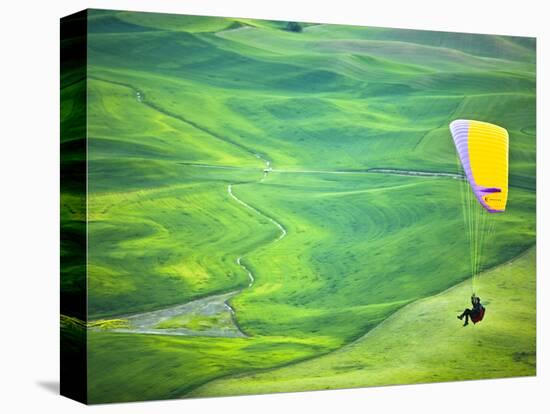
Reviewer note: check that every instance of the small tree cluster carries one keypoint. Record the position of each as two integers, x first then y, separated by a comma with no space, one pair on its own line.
294,27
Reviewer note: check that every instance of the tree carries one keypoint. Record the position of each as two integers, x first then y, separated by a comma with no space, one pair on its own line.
294,27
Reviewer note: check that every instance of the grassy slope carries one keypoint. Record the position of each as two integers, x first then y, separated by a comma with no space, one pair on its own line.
331,98
154,222
325,290
153,247
130,367
276,92
424,343
356,250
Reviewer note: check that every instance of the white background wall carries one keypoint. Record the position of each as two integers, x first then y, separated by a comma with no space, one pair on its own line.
29,156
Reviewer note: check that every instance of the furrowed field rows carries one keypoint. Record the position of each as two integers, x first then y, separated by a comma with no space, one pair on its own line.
308,181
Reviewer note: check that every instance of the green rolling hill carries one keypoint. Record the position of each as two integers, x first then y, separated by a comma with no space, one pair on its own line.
182,107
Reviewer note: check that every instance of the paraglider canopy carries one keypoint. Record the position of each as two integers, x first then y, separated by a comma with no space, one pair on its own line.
483,152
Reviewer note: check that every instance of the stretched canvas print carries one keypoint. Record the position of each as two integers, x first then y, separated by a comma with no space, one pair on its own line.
252,206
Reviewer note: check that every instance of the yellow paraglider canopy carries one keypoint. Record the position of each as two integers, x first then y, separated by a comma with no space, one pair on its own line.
483,152
488,148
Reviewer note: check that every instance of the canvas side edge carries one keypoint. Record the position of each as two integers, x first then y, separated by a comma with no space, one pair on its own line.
73,220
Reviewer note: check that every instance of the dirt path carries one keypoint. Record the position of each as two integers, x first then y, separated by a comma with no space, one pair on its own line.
416,173
211,306
276,223
177,319
394,171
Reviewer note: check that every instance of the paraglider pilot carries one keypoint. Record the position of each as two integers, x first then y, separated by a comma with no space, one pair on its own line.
475,314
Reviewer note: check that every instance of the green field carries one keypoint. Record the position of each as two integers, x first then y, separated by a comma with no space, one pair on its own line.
421,343
342,276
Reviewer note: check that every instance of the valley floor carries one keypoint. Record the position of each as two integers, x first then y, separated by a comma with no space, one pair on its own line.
423,342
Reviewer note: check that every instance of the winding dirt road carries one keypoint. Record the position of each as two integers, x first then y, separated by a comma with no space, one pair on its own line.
393,171
276,223
215,305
